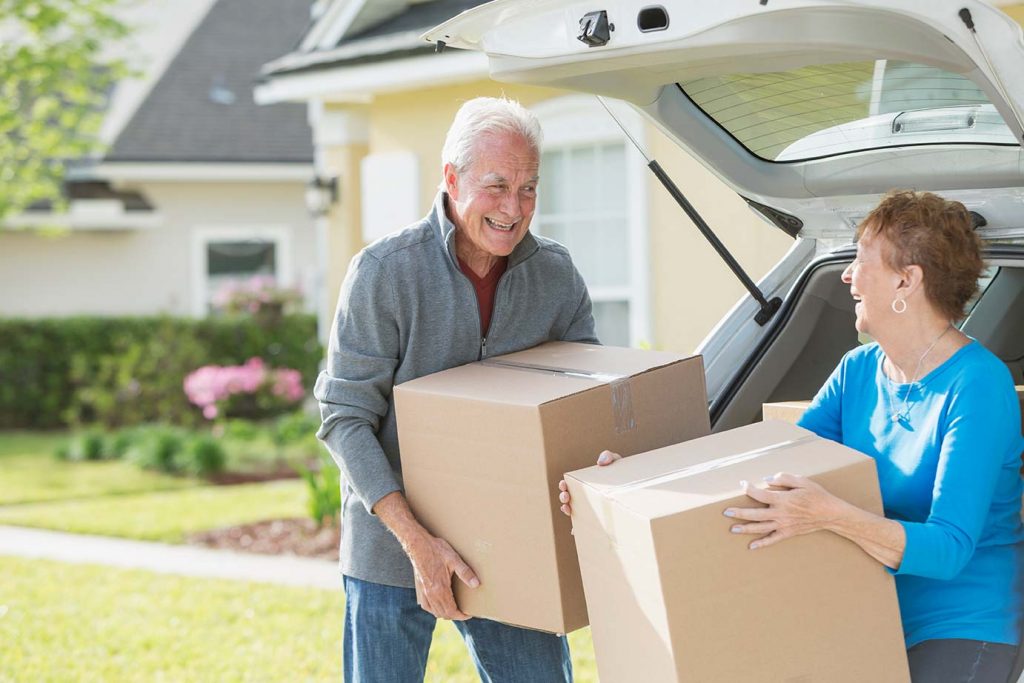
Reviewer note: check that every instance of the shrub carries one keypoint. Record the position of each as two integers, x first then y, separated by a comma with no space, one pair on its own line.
249,390
158,448
241,430
295,428
204,457
89,445
259,295
129,370
324,488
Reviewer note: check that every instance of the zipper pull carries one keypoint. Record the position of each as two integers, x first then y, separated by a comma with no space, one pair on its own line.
483,347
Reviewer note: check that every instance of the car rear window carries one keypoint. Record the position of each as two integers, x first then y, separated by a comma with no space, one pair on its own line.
830,109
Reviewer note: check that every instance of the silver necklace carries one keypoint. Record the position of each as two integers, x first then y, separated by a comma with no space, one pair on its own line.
904,410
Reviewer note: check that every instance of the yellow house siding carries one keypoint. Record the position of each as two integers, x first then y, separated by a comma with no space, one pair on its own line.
417,122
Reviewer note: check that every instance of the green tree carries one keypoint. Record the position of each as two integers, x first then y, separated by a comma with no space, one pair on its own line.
56,70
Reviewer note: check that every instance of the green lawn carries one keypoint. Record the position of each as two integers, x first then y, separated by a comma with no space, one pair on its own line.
30,473
115,498
164,515
65,622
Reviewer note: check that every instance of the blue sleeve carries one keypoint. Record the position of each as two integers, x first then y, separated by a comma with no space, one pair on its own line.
824,415
980,429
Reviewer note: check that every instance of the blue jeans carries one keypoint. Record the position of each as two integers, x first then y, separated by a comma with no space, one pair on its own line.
387,638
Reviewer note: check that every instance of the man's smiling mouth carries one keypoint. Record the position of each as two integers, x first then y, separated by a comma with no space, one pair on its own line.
504,227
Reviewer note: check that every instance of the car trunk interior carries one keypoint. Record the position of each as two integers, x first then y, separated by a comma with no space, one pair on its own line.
817,328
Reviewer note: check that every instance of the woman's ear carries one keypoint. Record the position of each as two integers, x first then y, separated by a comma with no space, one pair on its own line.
911,281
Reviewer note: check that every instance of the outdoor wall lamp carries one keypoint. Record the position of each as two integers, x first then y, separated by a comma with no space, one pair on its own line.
321,194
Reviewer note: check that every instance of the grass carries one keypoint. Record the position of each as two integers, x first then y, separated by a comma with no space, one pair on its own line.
64,622
166,516
30,473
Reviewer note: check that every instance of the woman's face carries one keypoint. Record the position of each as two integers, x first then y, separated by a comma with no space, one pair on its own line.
873,284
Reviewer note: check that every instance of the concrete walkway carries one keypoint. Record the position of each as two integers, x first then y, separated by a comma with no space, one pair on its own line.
168,559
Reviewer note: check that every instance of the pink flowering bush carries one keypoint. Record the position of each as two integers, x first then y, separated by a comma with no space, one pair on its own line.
250,390
256,295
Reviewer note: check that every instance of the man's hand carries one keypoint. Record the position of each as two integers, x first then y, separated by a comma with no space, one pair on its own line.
606,458
434,561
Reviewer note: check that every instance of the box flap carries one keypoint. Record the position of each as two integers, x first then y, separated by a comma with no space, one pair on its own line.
539,375
592,358
664,481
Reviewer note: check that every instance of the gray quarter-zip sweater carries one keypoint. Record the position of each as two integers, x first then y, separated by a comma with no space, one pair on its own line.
407,310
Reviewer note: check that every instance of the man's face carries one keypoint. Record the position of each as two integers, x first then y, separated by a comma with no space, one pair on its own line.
492,201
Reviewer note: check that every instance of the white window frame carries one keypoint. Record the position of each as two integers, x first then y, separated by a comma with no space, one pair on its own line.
203,235
574,120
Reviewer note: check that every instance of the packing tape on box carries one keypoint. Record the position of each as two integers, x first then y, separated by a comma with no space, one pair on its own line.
622,392
718,463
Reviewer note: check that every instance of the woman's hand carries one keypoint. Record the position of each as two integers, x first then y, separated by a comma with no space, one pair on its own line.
606,458
796,506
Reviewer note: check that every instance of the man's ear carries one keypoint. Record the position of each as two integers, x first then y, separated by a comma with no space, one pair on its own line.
451,181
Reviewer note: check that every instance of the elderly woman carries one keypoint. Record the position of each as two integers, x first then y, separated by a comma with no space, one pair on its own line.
938,413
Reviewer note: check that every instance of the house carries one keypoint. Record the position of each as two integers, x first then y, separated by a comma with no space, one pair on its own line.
197,185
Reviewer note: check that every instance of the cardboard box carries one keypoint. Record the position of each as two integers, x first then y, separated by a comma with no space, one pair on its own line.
1020,397
674,596
484,445
787,411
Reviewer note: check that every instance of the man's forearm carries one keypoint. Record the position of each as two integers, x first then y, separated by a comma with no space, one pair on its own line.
393,510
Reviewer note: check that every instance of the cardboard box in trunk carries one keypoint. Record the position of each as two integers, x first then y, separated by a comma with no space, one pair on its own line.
787,411
674,596
484,445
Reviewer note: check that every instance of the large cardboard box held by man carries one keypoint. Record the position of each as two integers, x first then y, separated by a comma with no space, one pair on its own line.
674,596
484,445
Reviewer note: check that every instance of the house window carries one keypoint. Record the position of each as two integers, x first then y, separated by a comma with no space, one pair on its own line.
230,263
591,200
583,205
223,257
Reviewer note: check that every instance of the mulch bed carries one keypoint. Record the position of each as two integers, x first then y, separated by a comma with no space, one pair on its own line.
274,537
231,478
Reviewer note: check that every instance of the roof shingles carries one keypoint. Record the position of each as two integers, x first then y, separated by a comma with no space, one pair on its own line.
202,108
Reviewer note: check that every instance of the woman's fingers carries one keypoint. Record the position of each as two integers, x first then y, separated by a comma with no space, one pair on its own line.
750,514
758,528
787,480
607,458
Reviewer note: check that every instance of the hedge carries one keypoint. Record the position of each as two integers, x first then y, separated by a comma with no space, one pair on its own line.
128,370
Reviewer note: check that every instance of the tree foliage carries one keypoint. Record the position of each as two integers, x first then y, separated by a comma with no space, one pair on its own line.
56,70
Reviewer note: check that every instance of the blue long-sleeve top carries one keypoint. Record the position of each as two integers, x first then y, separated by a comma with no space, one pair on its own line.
949,473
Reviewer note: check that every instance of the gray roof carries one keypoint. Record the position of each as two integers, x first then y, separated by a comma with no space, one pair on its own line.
393,38
202,108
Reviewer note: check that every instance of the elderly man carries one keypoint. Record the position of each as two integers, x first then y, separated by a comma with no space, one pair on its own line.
467,282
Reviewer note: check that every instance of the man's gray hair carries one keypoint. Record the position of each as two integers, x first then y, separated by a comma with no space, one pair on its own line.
483,116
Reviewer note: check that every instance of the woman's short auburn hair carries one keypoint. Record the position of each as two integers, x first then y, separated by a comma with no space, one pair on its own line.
925,230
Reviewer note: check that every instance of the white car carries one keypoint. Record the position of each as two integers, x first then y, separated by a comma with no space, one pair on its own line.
810,110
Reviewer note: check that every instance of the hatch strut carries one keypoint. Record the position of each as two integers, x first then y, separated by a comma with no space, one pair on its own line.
968,20
768,307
